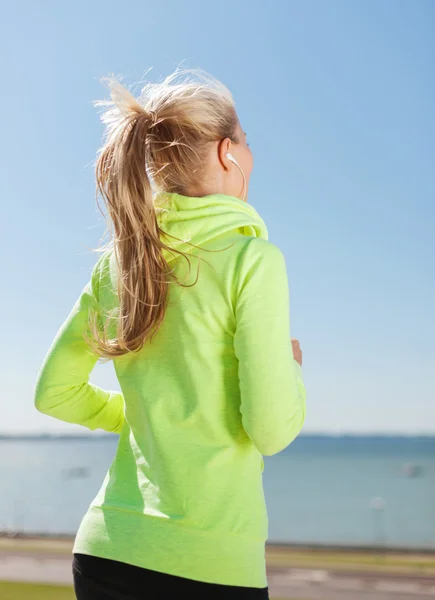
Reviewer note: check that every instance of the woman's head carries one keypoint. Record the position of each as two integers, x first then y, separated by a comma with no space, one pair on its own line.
187,124
179,136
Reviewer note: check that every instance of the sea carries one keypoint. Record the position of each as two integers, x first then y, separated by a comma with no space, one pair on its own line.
347,491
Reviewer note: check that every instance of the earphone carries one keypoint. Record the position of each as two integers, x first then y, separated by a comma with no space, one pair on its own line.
233,160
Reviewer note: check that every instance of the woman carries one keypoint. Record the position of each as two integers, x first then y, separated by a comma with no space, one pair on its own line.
191,303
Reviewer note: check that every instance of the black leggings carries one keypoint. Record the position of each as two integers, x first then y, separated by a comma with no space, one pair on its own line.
102,579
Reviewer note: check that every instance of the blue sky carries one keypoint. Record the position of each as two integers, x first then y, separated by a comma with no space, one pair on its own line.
338,102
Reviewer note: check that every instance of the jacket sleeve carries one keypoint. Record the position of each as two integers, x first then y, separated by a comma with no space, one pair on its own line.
63,389
271,382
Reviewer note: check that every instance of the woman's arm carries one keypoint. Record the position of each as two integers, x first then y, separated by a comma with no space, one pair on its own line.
271,381
63,389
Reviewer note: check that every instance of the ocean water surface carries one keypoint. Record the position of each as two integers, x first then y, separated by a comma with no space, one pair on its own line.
321,490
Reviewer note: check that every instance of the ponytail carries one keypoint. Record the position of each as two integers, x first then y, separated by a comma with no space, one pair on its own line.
124,185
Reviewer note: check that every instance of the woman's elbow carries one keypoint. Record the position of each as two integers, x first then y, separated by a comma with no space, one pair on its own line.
48,396
282,436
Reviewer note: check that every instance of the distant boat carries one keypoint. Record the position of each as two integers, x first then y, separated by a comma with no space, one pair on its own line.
412,470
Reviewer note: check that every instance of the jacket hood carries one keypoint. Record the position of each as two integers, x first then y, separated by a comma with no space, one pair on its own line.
195,221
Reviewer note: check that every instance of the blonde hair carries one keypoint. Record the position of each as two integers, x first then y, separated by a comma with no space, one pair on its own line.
157,142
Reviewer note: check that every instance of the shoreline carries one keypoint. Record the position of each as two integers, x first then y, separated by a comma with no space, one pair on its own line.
294,571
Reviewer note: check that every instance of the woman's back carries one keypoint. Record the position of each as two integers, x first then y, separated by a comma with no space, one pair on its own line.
185,460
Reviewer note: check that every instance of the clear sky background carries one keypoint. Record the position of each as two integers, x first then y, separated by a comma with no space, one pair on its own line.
338,100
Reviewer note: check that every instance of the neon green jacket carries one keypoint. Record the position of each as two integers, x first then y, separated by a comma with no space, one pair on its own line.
216,389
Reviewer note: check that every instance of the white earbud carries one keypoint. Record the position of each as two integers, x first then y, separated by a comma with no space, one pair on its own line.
232,159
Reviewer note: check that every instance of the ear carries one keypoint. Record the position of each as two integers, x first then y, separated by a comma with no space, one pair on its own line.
223,148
